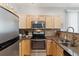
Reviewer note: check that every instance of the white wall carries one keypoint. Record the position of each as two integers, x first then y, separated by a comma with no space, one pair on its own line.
9,29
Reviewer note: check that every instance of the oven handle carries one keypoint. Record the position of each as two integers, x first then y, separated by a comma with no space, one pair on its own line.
38,39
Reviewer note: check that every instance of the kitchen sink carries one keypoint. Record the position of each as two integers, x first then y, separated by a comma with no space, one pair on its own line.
69,43
65,42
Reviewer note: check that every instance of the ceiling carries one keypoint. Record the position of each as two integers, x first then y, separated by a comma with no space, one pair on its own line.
23,6
45,4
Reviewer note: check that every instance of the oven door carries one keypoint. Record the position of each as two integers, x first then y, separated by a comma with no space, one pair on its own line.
38,44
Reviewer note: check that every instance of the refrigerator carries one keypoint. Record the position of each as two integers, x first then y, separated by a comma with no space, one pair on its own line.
9,33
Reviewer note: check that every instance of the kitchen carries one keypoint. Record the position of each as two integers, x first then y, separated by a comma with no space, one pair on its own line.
44,29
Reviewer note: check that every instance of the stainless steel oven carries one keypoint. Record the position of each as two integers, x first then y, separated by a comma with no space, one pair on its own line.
38,44
38,30
38,35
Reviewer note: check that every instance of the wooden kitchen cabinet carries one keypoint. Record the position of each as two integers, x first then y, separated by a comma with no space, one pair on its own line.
60,51
49,22
28,21
25,47
52,22
54,45
57,50
38,18
53,49
35,18
41,18
57,22
49,47
22,21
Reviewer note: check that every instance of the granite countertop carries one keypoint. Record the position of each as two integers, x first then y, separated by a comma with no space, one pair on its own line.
74,51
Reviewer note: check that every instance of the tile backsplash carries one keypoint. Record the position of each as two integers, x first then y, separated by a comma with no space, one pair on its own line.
50,32
69,35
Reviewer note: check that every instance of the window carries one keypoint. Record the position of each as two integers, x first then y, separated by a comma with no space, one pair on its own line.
72,20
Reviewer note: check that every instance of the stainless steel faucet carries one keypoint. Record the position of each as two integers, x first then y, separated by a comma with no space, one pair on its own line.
67,31
73,37
71,28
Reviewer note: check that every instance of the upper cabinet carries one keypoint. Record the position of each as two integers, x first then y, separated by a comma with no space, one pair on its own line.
41,18
57,22
34,17
49,22
22,21
38,18
52,22
28,21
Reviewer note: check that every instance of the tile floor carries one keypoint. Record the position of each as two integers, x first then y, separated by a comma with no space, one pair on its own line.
38,53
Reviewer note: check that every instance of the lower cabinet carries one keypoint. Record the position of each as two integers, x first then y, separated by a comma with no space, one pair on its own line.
53,49
54,45
25,47
49,47
60,51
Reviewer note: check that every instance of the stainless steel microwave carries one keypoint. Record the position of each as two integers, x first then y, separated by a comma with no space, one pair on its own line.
38,24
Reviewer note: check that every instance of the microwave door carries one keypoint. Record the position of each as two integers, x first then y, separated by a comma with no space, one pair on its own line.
39,24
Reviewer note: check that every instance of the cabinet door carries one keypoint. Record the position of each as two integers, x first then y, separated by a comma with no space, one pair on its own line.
41,18
54,53
49,47
49,22
59,51
22,21
57,22
28,21
25,47
35,18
